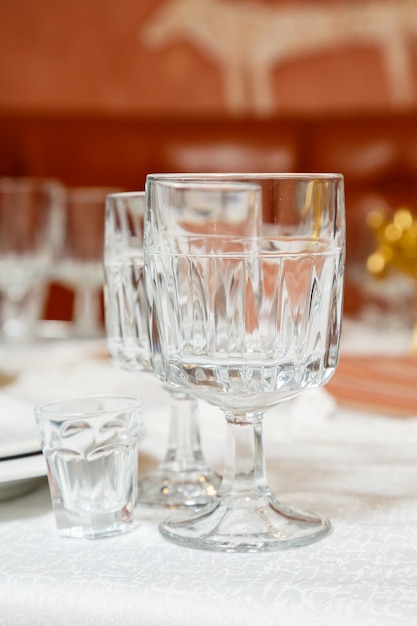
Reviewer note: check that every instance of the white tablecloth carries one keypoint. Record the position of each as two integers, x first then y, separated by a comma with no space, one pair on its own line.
358,469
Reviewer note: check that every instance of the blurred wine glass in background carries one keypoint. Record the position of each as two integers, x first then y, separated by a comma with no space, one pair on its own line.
31,234
80,263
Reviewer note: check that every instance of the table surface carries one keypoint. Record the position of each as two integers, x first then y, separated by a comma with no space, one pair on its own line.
359,469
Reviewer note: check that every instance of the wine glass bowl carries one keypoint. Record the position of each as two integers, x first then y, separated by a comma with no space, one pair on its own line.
244,321
126,316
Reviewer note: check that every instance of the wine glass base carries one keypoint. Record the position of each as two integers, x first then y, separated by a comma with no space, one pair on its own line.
246,524
178,489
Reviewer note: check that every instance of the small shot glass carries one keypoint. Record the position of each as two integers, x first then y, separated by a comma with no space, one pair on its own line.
90,445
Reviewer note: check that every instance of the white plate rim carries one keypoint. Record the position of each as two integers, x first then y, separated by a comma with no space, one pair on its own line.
23,468
20,449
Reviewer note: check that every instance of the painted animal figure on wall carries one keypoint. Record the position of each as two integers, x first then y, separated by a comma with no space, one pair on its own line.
248,40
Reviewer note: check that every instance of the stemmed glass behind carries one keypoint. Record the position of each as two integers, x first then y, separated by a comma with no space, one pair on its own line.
244,321
183,477
79,266
31,234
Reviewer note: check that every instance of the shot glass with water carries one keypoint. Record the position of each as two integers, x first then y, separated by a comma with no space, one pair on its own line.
91,449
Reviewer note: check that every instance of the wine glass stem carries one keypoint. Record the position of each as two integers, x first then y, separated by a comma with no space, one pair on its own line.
184,447
244,466
21,308
87,309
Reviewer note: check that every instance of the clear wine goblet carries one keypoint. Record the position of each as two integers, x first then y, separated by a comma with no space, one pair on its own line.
182,478
244,323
